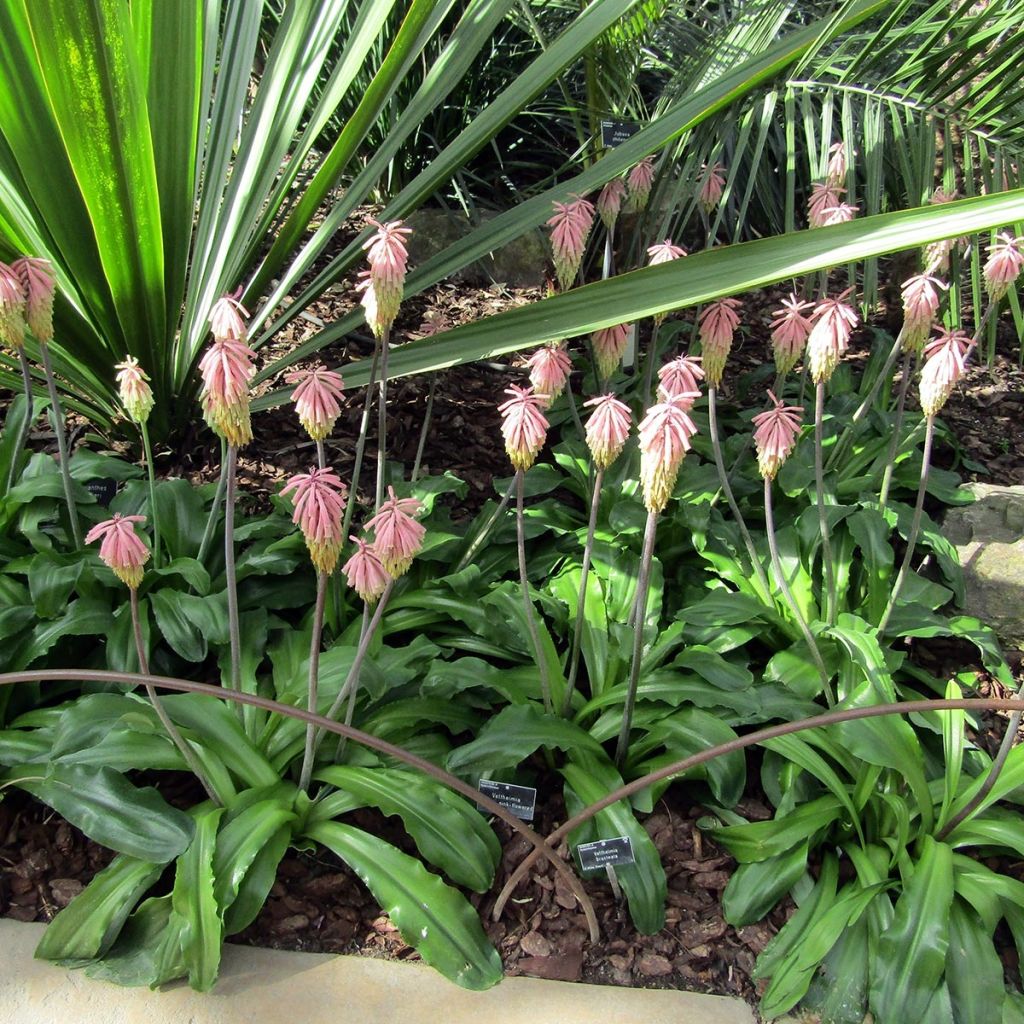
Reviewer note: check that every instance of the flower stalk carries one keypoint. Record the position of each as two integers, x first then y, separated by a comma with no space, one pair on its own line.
524,582
57,416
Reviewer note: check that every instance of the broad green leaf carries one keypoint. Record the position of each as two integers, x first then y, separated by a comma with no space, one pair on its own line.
257,882
974,972
432,917
448,831
755,888
759,840
714,668
839,989
51,581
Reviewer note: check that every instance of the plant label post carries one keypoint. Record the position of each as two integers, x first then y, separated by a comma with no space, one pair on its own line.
606,855
518,800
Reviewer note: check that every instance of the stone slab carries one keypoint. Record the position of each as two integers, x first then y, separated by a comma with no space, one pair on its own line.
264,986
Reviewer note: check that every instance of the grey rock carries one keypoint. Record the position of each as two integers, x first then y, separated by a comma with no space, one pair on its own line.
989,538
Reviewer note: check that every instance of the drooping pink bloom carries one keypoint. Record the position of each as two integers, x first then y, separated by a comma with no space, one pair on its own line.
824,199
835,172
12,308
38,282
609,202
664,252
136,395
842,213
1003,265
639,183
607,429
319,506
680,377
550,367
570,229
665,433
711,182
833,321
226,319
397,536
946,360
775,436
920,306
384,284
316,399
123,550
609,345
226,368
523,425
716,327
365,573
790,329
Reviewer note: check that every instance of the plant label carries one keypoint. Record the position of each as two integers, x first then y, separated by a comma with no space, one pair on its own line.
517,800
103,490
605,853
615,133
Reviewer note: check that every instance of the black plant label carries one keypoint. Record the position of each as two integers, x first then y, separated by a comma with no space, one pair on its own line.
103,490
615,133
518,800
605,853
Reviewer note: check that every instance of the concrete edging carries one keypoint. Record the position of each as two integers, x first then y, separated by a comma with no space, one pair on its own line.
269,986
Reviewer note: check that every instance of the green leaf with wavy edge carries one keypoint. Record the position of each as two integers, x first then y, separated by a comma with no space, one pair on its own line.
974,972
589,778
759,840
448,831
755,888
432,917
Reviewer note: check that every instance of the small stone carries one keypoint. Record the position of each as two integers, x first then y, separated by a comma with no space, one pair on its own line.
534,944
653,965
64,890
293,923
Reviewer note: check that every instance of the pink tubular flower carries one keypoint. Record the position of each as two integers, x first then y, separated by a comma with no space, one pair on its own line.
365,573
226,368
122,548
384,284
639,182
790,329
842,213
397,536
38,283
833,321
136,395
609,345
226,319
835,172
775,436
664,252
1003,265
316,399
609,202
550,367
665,433
523,425
319,506
711,182
945,364
607,429
824,199
680,377
920,305
716,328
570,229
12,308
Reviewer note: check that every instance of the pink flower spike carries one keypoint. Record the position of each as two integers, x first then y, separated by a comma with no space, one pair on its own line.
523,425
664,252
790,329
609,202
936,256
920,306
383,285
38,284
365,573
944,366
12,308
712,182
680,377
397,536
122,548
609,345
570,229
833,321
824,198
842,213
550,367
319,505
226,368
665,433
136,395
607,429
775,436
835,172
639,183
716,327
226,319
1003,266
316,399
433,323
